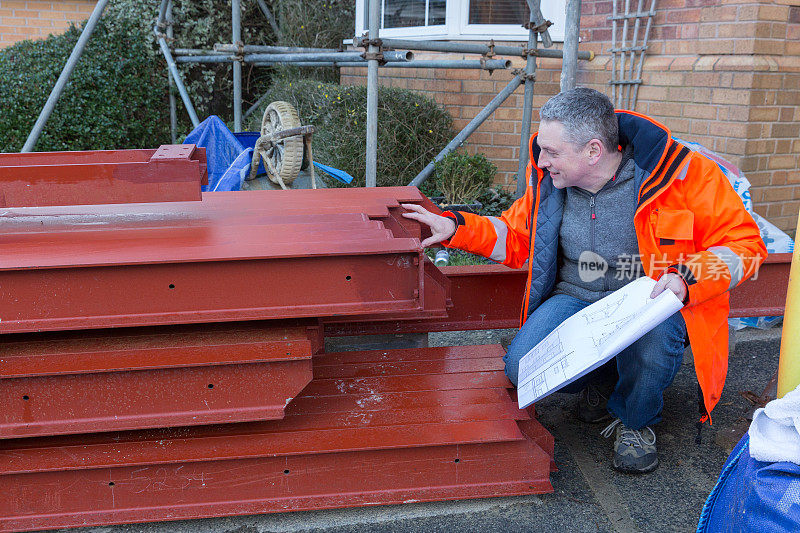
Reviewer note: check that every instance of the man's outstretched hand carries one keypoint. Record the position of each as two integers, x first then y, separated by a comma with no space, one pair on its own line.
442,228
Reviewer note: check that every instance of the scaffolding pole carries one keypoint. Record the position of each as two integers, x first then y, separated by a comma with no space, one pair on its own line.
236,25
372,95
55,94
267,13
402,55
527,100
490,65
173,104
569,65
173,68
472,48
223,48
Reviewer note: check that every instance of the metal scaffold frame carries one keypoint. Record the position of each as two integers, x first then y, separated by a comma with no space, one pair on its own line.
394,53
624,81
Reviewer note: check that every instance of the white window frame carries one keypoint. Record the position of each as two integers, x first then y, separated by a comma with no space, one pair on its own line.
456,27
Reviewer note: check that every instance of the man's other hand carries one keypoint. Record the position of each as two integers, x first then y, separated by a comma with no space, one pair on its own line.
673,282
442,228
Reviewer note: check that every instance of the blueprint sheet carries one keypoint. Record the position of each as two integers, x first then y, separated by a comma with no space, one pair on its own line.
591,337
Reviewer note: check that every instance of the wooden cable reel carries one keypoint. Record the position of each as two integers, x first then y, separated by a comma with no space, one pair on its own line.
282,155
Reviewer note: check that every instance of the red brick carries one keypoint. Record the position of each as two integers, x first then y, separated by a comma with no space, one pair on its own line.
743,46
783,146
729,97
700,111
779,177
713,46
773,12
665,109
735,146
790,208
747,12
699,127
790,131
767,114
771,46
782,161
708,31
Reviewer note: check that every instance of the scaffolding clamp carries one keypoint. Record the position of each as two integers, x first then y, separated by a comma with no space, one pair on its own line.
538,28
369,42
238,55
369,56
524,76
489,53
366,43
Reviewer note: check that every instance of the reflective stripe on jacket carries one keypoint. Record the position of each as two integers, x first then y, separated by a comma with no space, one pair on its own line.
688,219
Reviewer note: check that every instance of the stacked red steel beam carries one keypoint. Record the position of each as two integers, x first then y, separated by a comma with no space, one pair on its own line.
167,174
163,360
372,428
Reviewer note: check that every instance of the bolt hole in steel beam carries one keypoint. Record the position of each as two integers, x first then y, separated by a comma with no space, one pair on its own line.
110,483
348,278
26,397
171,285
285,471
210,385
457,461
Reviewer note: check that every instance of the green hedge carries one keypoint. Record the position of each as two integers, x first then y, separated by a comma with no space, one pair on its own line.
116,96
412,128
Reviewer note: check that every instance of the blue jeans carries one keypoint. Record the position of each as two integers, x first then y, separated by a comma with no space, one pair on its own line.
645,369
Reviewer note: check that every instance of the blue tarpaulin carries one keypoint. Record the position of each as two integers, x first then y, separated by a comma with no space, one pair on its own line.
229,155
753,496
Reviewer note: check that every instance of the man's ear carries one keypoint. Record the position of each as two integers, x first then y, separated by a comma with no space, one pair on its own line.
594,150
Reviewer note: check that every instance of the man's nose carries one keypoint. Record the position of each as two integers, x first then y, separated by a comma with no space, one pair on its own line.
543,162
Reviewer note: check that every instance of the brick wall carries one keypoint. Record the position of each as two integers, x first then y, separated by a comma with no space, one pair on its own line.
722,73
34,19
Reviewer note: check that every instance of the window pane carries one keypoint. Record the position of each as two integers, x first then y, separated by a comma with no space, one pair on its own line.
436,12
498,12
403,13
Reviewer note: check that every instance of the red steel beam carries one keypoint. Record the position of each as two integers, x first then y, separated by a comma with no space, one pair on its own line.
101,381
335,448
766,294
490,297
169,174
234,256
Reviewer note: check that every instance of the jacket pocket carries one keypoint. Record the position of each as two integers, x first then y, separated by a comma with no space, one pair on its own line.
675,227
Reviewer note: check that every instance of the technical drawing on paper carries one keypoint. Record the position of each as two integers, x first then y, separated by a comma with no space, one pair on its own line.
558,368
607,310
591,337
610,328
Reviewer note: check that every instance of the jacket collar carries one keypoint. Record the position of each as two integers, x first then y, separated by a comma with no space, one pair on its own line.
654,151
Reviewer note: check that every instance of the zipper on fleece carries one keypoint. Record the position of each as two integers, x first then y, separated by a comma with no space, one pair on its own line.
594,216
592,231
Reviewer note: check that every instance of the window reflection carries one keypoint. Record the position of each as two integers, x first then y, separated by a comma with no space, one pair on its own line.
403,13
498,12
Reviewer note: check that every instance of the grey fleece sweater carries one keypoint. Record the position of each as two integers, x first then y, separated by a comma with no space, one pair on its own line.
597,230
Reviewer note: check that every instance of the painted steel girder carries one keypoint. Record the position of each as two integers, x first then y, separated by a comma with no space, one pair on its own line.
344,445
169,174
53,384
272,484
490,297
216,291
234,256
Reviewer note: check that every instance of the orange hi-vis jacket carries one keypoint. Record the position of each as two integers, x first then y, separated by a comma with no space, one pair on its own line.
688,220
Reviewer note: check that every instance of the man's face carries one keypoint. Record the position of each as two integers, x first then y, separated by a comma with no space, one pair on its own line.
568,166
